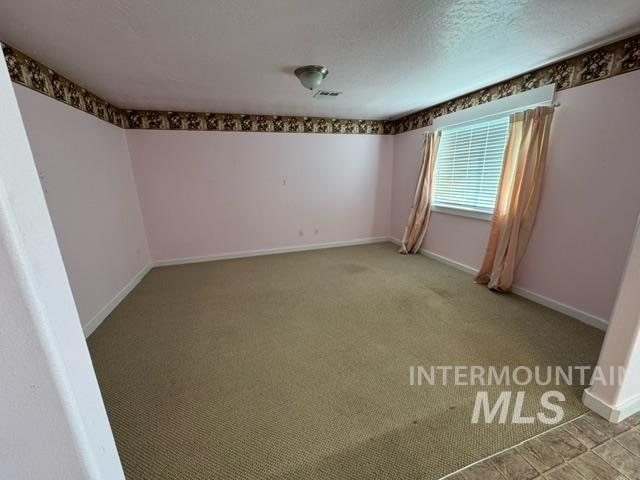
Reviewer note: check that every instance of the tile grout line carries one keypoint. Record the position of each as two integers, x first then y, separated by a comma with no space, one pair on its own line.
566,461
513,447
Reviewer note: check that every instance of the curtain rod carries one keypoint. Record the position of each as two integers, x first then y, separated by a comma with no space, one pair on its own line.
507,112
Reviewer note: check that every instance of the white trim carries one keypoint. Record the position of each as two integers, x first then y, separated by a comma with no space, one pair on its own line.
612,413
461,212
268,251
99,317
448,261
589,319
501,107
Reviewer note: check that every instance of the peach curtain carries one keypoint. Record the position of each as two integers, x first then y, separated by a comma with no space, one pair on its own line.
518,196
419,216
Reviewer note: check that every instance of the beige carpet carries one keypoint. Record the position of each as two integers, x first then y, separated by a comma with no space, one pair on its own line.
296,366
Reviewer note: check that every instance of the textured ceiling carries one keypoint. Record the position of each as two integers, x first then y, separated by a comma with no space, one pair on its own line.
388,57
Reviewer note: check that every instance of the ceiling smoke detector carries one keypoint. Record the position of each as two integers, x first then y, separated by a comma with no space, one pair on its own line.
311,76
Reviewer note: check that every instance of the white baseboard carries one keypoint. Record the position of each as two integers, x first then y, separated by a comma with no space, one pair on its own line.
448,261
99,317
547,302
609,412
585,317
268,251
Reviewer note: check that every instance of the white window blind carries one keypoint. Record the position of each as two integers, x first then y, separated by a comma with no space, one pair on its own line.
469,164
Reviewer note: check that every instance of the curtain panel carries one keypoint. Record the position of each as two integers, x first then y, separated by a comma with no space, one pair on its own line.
416,227
518,196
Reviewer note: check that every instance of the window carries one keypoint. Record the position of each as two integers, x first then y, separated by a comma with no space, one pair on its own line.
468,167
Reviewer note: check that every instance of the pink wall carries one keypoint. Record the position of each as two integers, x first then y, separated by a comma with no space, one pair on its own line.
622,346
53,423
457,238
210,193
86,174
214,193
589,205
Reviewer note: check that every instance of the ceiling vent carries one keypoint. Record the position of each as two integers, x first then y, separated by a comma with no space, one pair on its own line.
326,94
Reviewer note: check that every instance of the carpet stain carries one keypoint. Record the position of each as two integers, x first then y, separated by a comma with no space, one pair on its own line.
441,292
296,366
354,268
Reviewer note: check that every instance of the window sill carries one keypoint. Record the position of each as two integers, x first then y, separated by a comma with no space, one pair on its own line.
487,217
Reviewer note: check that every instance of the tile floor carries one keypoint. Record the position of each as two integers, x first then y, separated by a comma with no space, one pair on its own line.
588,448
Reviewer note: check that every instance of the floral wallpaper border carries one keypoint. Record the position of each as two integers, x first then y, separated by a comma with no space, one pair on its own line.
230,122
619,57
27,72
604,62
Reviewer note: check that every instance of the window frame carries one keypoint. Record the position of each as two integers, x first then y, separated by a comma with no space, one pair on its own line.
542,96
461,211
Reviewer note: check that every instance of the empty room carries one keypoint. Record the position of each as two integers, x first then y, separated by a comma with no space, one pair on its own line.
340,240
